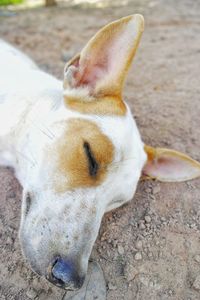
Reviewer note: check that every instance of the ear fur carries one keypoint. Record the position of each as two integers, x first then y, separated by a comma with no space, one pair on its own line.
169,165
101,67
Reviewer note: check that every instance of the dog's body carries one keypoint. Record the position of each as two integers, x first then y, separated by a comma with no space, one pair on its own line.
75,158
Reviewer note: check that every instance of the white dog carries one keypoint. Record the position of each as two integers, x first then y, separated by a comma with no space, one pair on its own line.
76,151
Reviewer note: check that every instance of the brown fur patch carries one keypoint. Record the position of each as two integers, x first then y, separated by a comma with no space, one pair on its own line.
72,160
102,106
151,153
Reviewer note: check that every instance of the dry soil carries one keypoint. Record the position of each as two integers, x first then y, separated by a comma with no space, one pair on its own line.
150,248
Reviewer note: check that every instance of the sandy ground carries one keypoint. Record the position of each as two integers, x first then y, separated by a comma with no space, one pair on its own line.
150,248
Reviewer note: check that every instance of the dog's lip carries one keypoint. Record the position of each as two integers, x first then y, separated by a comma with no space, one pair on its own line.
69,287
60,285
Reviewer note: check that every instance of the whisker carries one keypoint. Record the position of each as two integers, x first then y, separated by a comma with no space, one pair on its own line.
42,130
45,130
117,162
49,131
45,133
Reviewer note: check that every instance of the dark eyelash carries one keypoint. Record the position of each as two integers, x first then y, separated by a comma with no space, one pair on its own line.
92,163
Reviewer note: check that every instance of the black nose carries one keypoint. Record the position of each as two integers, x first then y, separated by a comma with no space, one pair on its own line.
64,274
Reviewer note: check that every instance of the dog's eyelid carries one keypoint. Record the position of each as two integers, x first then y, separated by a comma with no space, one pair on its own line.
92,163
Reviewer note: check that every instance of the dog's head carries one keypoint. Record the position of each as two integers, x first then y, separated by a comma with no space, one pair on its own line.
93,161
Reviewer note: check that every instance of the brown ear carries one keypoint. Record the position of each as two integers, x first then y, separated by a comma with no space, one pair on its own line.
102,65
169,165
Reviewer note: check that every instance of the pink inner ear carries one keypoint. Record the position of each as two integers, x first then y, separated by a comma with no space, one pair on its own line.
92,73
169,168
94,66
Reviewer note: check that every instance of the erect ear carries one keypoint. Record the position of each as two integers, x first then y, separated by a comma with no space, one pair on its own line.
169,165
102,65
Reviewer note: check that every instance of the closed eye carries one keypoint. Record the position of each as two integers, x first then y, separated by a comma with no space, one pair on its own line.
93,165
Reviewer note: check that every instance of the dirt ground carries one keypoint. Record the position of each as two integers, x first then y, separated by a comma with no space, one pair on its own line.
150,248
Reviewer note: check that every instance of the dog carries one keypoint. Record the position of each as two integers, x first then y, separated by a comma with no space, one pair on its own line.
76,149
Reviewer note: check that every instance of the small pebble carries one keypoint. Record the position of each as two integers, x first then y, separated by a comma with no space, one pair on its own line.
138,244
197,258
142,225
131,272
156,189
193,225
148,190
9,240
138,256
147,219
31,294
196,283
120,250
111,286
170,292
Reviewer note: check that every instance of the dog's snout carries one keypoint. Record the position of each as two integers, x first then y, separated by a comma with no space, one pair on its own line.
64,273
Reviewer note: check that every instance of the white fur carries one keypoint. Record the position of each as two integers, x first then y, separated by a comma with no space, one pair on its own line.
31,121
